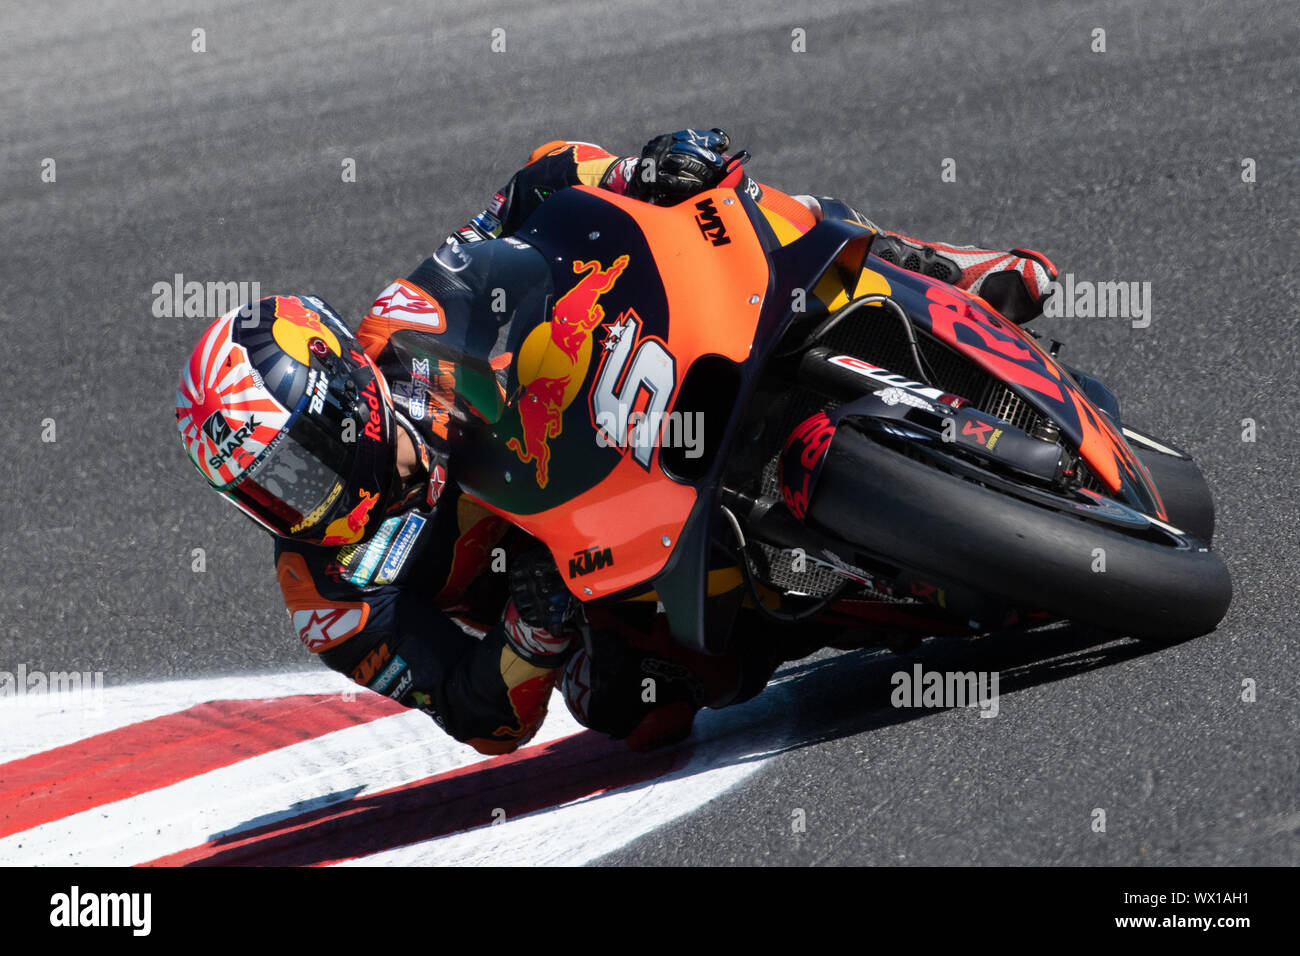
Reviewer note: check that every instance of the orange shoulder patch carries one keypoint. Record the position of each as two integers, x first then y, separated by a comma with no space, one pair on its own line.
403,305
546,149
582,152
319,623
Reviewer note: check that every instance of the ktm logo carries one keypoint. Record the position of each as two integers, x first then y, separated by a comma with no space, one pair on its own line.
365,672
710,223
593,559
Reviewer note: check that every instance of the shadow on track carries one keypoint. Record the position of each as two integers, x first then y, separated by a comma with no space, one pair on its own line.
810,702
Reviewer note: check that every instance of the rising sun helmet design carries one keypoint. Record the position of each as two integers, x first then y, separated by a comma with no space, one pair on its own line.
284,414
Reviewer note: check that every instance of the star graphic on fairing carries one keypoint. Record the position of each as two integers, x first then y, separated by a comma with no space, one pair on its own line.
615,332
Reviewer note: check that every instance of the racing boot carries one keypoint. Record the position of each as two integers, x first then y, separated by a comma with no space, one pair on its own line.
632,682
1016,283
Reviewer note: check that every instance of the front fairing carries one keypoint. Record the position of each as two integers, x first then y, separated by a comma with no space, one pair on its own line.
602,501
974,330
491,294
643,296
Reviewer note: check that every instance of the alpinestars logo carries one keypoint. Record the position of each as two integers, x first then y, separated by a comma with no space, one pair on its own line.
218,430
322,628
592,559
710,223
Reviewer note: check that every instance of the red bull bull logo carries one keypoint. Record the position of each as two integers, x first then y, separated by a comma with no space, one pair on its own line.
553,362
296,325
348,529
577,313
539,419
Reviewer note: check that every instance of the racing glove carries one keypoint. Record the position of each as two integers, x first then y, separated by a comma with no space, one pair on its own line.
676,166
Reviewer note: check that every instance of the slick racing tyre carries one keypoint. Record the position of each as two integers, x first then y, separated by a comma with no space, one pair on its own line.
1150,584
1181,485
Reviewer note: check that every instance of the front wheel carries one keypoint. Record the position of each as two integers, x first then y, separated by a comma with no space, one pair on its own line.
1181,485
1159,587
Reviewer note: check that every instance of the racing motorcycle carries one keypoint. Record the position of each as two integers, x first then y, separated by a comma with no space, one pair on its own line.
701,404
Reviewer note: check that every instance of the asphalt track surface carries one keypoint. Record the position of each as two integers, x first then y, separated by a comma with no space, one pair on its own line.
1123,165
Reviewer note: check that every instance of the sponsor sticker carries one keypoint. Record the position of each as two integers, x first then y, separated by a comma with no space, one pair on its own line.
397,554
437,481
896,396
373,552
403,685
711,225
389,674
320,510
408,303
322,628
365,672
419,387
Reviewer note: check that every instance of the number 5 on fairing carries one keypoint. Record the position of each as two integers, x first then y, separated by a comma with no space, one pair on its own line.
651,369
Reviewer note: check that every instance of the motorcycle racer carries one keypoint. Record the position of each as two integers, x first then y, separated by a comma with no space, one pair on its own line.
337,444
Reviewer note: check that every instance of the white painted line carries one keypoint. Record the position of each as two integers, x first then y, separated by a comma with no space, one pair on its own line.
727,747
273,786
34,723
1150,443
725,752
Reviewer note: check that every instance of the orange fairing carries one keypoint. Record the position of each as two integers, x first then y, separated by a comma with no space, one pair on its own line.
715,292
1106,452
1100,444
788,207
648,508
714,295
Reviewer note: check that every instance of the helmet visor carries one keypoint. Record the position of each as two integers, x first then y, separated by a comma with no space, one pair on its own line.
298,480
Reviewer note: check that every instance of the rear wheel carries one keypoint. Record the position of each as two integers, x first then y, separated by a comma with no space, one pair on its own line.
1154,585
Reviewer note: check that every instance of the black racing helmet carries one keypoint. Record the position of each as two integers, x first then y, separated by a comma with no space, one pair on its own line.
285,415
